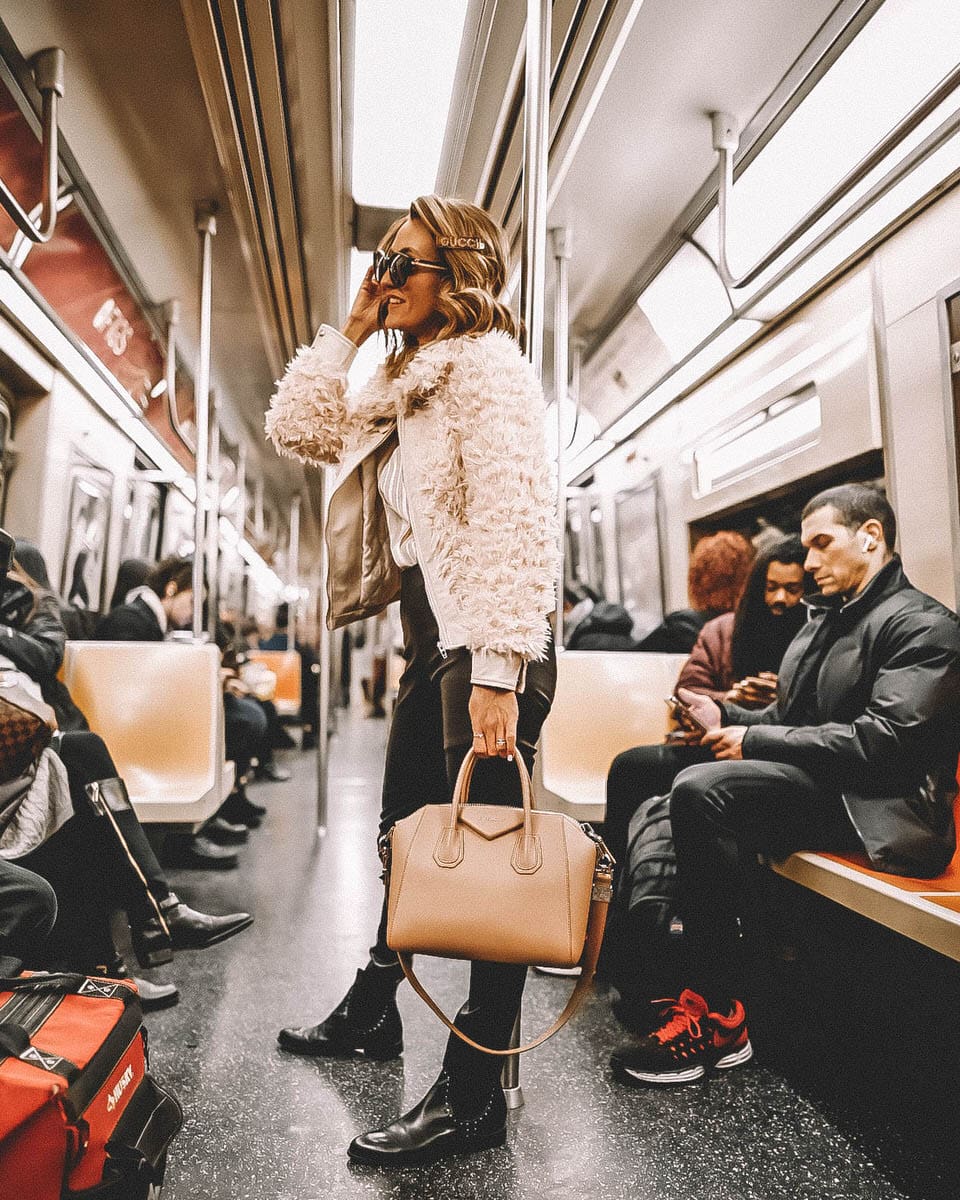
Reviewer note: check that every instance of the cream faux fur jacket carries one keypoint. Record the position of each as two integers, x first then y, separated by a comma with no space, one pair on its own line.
469,416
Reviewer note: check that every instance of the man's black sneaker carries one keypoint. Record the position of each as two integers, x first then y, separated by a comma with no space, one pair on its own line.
238,810
689,1041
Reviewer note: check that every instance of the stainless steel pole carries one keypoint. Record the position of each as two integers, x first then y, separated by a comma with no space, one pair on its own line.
293,571
206,223
323,679
258,520
562,240
536,118
242,490
213,523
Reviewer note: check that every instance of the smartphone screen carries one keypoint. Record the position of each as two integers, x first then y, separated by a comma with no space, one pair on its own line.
683,712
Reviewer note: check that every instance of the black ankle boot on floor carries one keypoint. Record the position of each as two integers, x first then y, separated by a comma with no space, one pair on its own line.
365,1024
432,1130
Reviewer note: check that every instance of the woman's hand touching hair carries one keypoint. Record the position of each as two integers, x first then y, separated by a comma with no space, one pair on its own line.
364,315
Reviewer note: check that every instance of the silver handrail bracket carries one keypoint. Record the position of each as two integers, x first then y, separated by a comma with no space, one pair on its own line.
48,73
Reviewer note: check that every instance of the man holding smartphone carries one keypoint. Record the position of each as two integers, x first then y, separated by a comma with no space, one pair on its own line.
859,752
735,658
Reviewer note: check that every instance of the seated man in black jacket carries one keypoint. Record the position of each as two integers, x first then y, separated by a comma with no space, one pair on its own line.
164,602
859,752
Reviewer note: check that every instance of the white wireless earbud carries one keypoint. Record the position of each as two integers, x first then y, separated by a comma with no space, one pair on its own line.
867,543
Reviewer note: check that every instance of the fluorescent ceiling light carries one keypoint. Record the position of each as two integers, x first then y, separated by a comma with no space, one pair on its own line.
228,532
869,224
783,429
405,59
264,574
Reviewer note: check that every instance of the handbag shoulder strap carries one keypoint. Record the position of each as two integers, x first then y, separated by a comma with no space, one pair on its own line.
596,922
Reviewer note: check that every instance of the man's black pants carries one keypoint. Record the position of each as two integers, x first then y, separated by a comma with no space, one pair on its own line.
765,808
28,908
636,775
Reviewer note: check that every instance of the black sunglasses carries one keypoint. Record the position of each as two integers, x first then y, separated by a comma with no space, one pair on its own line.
400,266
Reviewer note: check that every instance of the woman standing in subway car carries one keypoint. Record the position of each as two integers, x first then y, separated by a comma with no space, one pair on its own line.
444,499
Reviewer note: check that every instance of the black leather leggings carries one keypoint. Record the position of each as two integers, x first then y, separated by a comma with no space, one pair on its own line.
429,736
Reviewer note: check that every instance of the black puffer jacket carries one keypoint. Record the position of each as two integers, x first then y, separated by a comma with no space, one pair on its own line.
886,725
35,645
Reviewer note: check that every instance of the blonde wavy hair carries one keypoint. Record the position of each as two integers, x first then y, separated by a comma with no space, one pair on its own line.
469,300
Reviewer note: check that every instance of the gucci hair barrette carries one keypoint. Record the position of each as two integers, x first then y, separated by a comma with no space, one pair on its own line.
461,243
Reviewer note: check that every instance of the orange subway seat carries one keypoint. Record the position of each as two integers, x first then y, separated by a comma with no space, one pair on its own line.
285,664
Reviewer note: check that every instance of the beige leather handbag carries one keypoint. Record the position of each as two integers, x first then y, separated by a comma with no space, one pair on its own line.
499,884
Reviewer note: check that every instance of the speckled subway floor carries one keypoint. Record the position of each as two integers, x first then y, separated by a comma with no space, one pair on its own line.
264,1125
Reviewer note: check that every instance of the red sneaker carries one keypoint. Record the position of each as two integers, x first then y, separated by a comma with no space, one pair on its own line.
689,1041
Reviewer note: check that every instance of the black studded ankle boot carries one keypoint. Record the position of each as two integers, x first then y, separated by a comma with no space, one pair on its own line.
433,1129
365,1024
475,1077
463,1112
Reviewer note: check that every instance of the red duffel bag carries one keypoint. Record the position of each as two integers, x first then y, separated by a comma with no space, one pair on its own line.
80,1116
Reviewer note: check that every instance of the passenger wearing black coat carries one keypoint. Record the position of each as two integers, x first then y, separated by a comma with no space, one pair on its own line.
607,626
32,637
135,621
858,753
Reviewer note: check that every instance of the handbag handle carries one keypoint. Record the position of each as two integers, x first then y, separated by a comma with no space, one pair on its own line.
461,789
450,848
596,922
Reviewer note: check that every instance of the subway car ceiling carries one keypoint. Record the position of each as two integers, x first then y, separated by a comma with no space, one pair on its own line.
837,190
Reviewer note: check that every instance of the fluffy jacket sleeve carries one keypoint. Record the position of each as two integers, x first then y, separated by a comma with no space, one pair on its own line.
309,418
501,532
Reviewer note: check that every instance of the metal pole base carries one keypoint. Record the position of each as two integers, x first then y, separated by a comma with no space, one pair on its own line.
510,1076
513,1097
